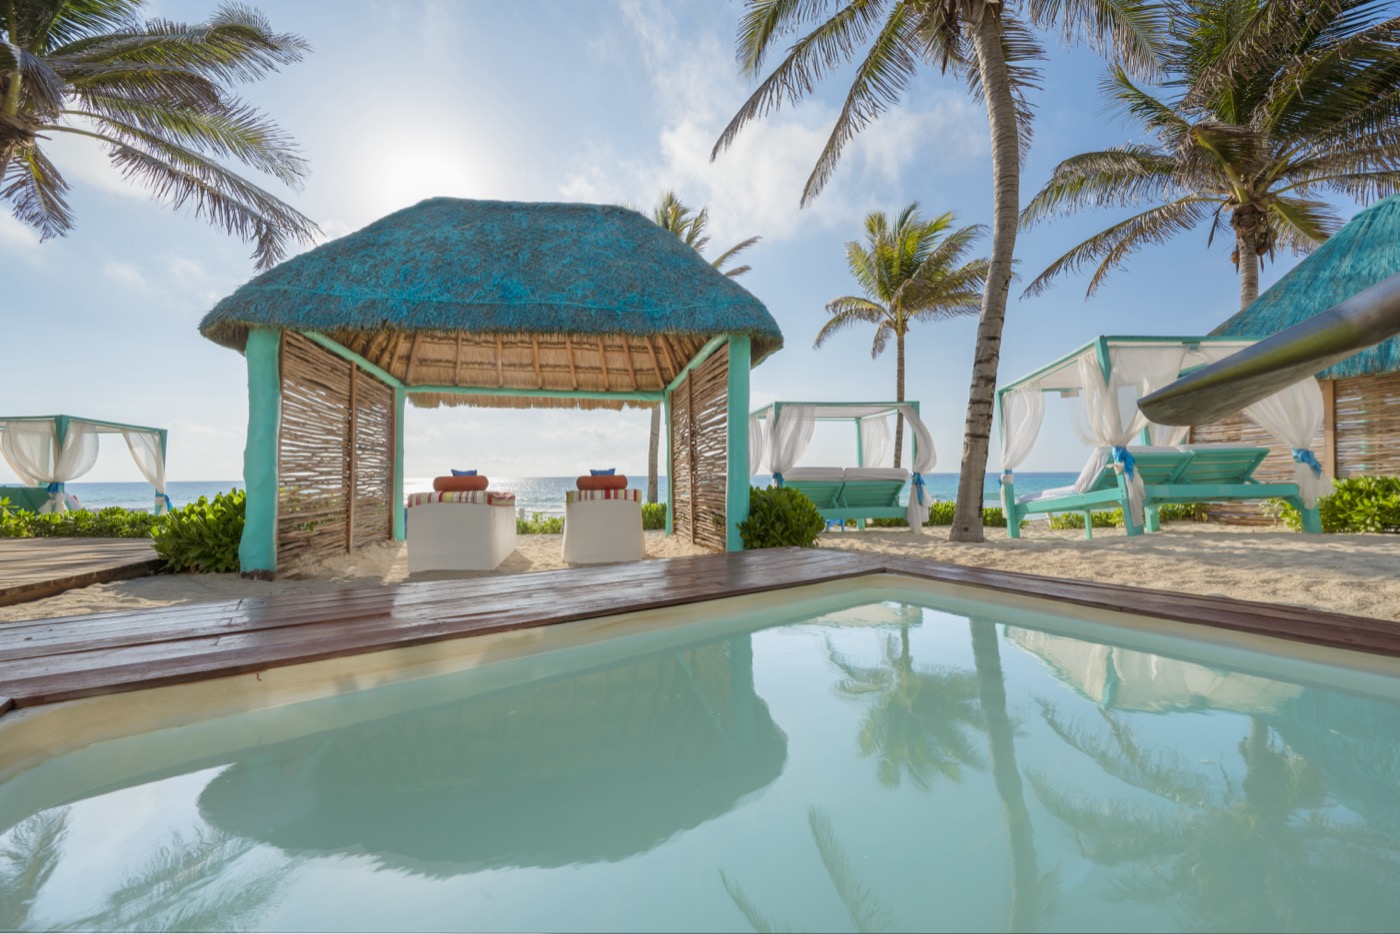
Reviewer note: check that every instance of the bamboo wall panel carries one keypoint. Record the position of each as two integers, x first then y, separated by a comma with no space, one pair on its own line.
1367,425
335,455
699,453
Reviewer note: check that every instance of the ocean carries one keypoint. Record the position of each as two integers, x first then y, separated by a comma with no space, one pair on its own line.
544,495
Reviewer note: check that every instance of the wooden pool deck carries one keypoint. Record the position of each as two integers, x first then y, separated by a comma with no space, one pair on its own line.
34,568
51,660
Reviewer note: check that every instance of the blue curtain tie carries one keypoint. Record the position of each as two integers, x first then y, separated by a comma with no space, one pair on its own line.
1122,455
778,479
1305,456
55,488
168,505
919,486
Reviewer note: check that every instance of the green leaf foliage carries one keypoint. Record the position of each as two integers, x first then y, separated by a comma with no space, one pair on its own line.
940,512
202,537
537,523
653,516
1356,504
779,517
112,522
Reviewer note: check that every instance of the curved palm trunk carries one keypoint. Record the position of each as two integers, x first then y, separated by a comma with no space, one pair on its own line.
1025,877
652,448
1006,174
898,395
1249,268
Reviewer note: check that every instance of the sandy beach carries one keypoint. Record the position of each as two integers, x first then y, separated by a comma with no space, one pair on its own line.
1355,574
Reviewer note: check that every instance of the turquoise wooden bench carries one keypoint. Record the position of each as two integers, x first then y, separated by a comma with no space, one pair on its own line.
1170,476
851,493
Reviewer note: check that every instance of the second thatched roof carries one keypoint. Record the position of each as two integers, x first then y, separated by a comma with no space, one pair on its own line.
505,295
1361,254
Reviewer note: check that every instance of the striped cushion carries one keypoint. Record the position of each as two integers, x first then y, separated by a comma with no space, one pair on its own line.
486,497
574,496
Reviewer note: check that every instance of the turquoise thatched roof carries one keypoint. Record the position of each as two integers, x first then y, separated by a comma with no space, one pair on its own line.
1355,258
499,267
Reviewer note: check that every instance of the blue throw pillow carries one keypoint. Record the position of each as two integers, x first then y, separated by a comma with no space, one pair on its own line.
611,471
464,473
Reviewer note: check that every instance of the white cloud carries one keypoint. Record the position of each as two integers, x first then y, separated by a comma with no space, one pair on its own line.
125,274
18,239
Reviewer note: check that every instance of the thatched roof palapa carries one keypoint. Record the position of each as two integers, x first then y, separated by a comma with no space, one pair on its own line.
1352,260
506,295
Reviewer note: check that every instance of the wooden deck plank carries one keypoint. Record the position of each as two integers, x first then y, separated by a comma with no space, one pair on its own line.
52,660
34,568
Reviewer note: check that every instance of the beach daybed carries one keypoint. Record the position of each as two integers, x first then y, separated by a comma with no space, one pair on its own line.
1109,375
460,531
48,451
780,433
602,526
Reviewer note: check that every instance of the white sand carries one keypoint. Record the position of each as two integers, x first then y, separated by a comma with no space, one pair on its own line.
1356,574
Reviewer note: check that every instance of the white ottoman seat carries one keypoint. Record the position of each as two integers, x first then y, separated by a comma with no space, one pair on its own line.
602,526
466,531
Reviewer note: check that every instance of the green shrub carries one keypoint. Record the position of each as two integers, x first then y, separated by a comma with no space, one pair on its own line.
653,516
1356,504
112,522
203,536
940,512
887,524
780,516
1113,519
538,524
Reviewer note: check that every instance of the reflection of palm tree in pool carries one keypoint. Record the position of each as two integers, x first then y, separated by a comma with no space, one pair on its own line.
170,892
918,717
1259,855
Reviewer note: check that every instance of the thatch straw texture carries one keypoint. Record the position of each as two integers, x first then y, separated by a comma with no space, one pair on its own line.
1355,258
490,294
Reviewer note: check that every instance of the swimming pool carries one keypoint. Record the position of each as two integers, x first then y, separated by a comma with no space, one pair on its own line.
892,757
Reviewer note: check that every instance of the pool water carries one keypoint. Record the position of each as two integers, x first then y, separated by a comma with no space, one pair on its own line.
883,765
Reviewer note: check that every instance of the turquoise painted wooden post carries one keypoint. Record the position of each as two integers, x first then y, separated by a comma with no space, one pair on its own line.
670,467
1130,525
860,462
60,428
400,508
736,497
257,550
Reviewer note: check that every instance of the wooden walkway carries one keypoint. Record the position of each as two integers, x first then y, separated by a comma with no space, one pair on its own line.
45,661
34,568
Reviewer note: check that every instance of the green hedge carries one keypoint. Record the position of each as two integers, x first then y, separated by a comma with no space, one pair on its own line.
202,537
780,516
112,522
653,516
1356,504
940,512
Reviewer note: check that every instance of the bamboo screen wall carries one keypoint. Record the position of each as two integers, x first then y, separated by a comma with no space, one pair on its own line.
335,455
1361,435
699,453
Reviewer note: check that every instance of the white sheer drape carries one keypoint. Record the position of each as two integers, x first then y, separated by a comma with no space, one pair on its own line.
788,438
1022,412
32,451
876,442
1294,416
758,443
1112,419
925,456
145,450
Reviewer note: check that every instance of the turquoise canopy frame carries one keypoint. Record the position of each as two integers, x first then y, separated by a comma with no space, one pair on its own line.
61,422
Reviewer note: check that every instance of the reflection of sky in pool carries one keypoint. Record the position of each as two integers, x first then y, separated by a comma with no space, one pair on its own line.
883,767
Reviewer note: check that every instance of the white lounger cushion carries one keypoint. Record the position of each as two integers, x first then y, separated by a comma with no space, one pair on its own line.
459,536
601,530
816,474
1047,494
877,473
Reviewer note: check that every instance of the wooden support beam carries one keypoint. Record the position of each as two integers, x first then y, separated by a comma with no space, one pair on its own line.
413,357
661,380
603,363
569,352
670,356
535,346
627,352
457,364
394,357
500,364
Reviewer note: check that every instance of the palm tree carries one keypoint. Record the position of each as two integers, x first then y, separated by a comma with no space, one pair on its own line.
985,42
1266,107
907,275
155,95
671,214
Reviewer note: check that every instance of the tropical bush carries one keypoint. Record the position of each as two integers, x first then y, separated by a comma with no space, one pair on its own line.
112,522
780,516
1113,519
940,512
653,516
537,523
1356,504
203,536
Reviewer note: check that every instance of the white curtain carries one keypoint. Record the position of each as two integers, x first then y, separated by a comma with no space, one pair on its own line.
1294,416
758,443
876,442
788,438
32,450
924,458
1112,419
145,449
1157,368
1022,412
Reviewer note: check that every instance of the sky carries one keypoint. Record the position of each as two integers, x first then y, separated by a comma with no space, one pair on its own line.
609,101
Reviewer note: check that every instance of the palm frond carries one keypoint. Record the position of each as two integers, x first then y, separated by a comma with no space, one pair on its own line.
1130,31
36,192
847,311
1308,223
732,252
1019,48
757,920
41,89
1114,177
866,911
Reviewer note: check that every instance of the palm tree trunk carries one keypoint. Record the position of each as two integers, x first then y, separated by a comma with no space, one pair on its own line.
652,448
1006,202
1249,268
898,395
1025,877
